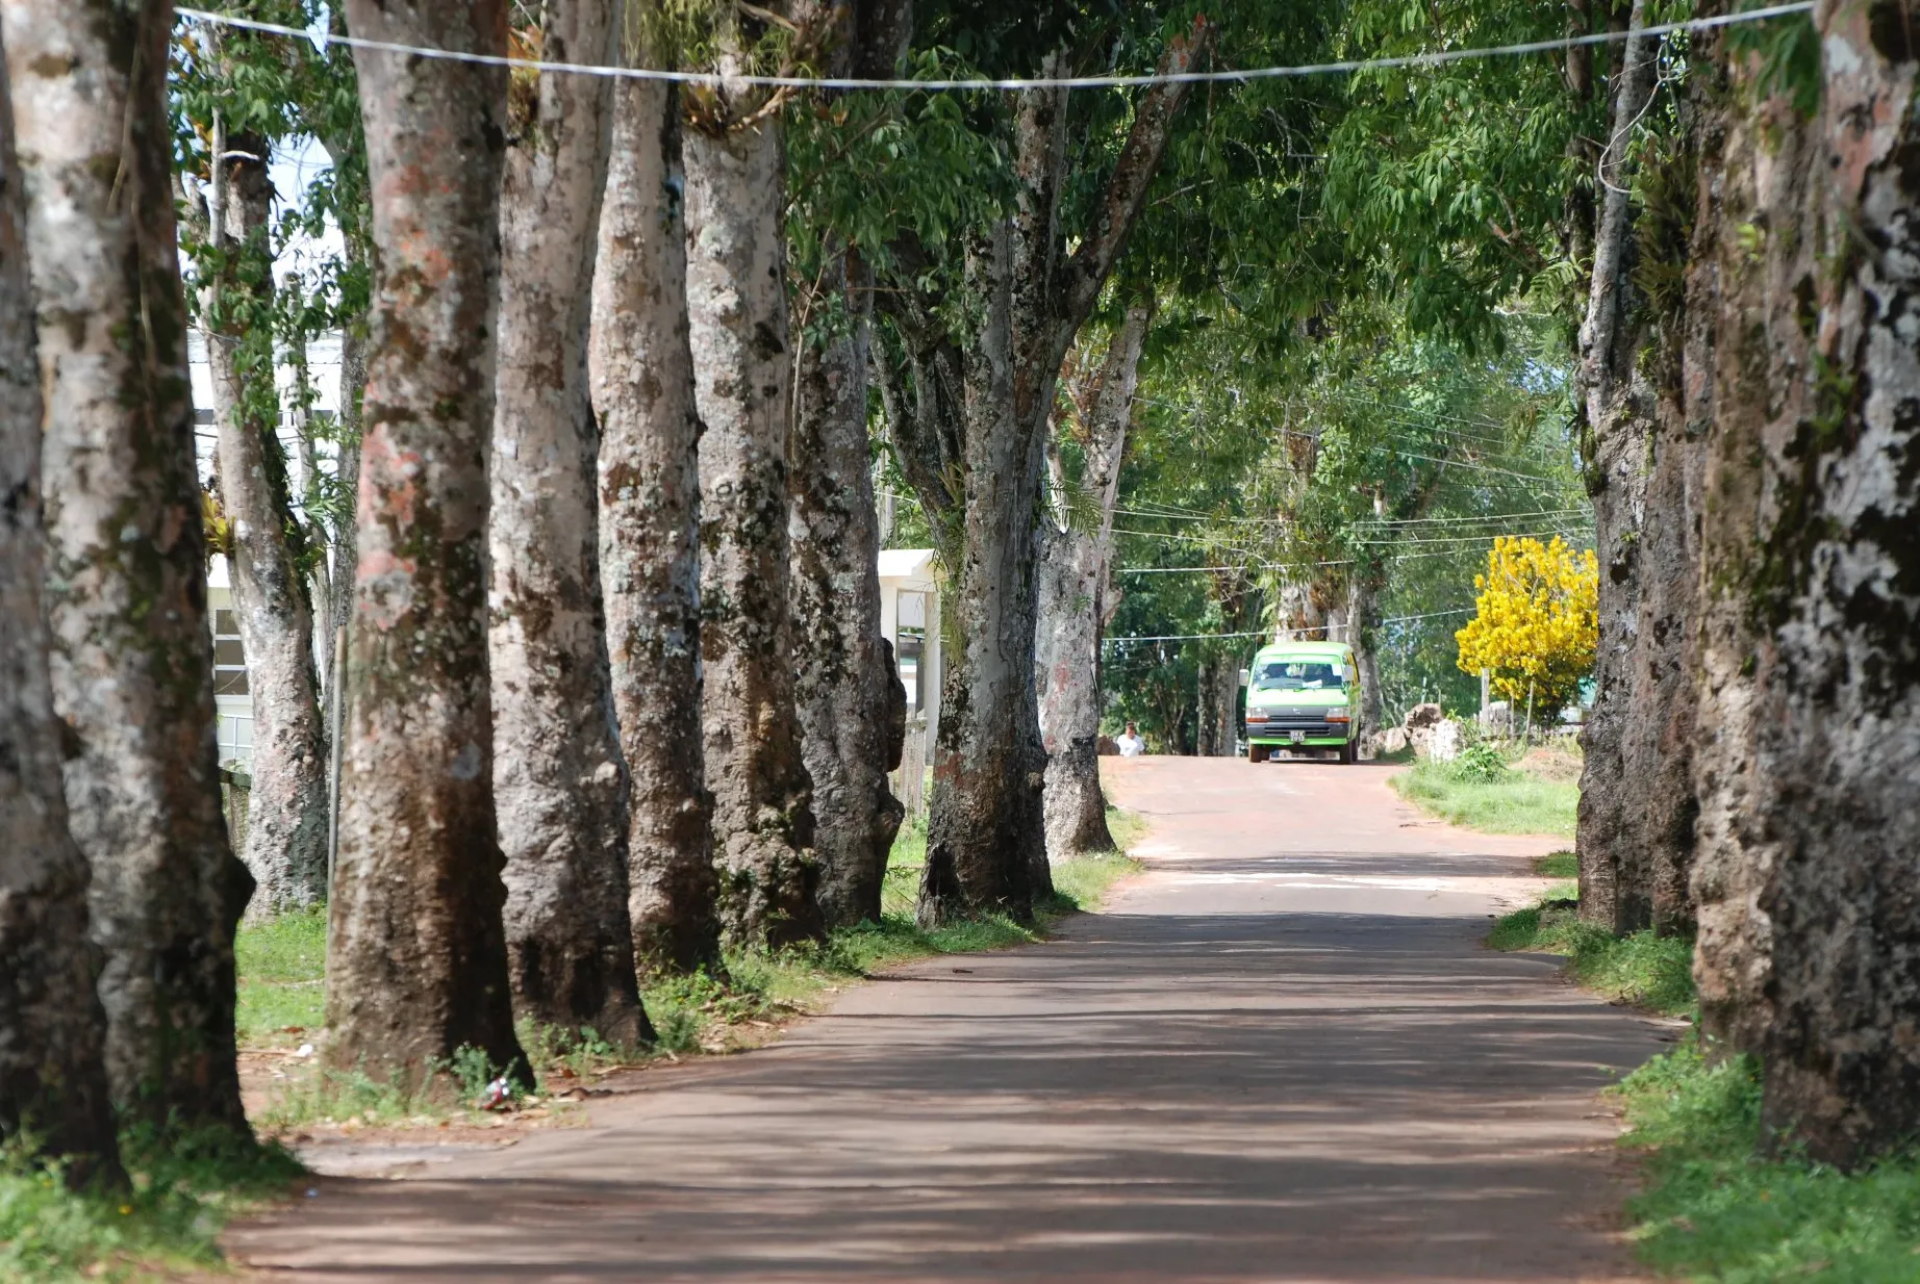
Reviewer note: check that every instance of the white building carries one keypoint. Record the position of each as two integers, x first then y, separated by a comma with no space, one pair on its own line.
909,618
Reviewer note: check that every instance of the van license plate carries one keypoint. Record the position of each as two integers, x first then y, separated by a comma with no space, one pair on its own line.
1299,737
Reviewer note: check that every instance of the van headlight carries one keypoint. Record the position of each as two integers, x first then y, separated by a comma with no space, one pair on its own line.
1338,715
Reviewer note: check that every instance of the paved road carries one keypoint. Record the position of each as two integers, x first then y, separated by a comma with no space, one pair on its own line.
1281,1055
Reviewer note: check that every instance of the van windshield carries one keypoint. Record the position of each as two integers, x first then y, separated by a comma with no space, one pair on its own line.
1298,675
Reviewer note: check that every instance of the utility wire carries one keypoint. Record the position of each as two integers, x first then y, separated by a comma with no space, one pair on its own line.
320,40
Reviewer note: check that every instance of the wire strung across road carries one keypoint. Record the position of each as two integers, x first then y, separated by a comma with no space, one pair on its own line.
321,39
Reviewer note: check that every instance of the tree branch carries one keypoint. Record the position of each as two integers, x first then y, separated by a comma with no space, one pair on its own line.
1126,193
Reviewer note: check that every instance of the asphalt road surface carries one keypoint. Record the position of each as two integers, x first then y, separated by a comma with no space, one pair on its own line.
1282,1054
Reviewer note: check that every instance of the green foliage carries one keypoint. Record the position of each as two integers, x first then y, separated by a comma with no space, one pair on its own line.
182,1191
1514,803
1482,762
1711,1210
1642,969
280,963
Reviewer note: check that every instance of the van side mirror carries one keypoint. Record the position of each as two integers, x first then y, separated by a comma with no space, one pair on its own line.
1246,676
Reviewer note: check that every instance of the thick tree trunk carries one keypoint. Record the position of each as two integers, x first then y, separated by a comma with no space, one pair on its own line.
559,782
53,1083
843,666
1615,883
736,296
1075,585
986,841
417,966
642,373
286,833
1759,359
1833,581
132,653
840,673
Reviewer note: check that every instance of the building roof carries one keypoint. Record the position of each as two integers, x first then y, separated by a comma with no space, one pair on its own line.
907,564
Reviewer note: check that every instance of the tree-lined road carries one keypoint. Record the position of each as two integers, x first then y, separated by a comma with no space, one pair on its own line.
1282,1054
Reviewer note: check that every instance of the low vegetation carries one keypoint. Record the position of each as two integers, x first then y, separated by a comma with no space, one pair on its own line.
1496,792
1710,1209
163,1225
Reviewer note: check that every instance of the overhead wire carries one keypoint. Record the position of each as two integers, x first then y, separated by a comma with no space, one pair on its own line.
321,39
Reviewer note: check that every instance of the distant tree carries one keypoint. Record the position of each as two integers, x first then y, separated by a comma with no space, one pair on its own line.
641,367
559,780
1534,625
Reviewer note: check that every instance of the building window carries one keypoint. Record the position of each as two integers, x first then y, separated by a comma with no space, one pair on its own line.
910,648
229,660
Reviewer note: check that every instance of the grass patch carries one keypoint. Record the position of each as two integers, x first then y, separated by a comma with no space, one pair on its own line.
183,1191
281,963
1712,1211
1557,865
282,967
1645,970
1511,801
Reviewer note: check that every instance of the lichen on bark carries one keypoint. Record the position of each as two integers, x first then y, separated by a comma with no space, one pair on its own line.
132,653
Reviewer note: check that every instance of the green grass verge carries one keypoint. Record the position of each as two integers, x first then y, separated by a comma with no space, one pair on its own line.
1644,970
1515,802
280,964
1711,1211
166,1224
281,971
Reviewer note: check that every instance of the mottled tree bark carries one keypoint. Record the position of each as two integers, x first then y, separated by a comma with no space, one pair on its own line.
840,671
559,782
417,965
286,833
1760,364
1075,571
642,374
979,420
53,1083
1617,403
1363,619
126,568
1833,585
763,820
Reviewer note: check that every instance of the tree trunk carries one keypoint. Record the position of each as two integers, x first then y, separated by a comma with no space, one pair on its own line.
1615,883
642,373
132,653
840,675
842,666
1833,584
736,296
1758,388
286,833
417,966
559,782
52,1028
1028,297
1075,570
1363,619
345,553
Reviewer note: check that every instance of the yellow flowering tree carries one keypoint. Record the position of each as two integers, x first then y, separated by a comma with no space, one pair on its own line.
1536,626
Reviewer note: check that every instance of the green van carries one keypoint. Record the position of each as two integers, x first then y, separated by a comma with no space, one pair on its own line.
1302,695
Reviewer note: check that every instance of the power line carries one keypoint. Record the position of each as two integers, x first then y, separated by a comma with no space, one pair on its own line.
321,39
1260,633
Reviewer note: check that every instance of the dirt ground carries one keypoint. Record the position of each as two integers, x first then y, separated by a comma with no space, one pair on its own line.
1282,1054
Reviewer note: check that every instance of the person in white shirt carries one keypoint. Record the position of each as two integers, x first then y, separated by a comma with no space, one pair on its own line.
1131,745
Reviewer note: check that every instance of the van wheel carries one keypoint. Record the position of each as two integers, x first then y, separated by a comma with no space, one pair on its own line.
1349,753
1257,753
